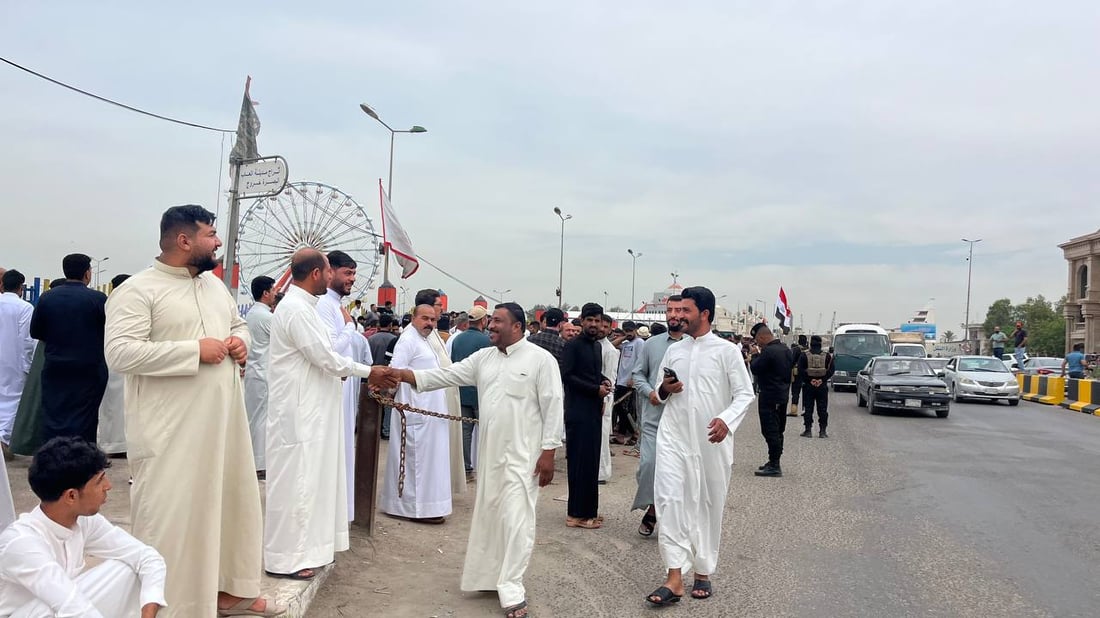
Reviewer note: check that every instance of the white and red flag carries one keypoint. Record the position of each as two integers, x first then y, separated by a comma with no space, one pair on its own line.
783,312
394,237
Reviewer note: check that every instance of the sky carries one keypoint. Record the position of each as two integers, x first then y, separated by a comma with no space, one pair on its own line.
840,149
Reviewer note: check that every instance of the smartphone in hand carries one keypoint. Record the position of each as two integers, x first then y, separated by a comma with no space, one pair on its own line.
669,373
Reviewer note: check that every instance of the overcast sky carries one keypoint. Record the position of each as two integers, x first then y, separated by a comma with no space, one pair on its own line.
840,149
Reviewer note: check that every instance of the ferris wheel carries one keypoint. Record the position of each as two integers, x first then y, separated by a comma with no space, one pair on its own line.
306,214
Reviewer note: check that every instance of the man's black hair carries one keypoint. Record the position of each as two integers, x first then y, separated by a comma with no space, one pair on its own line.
759,328
13,280
385,320
426,297
590,310
260,285
64,463
514,310
339,259
802,340
184,219
576,322
305,264
657,329
444,322
606,318
703,299
406,320
75,265
675,297
118,280
630,325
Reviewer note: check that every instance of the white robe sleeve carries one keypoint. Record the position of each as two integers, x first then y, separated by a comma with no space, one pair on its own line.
28,562
341,332
28,341
551,403
105,540
741,388
126,344
305,341
465,373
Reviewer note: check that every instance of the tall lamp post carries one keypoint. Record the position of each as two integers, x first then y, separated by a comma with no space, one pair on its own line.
500,294
969,272
386,291
97,269
605,305
634,255
561,255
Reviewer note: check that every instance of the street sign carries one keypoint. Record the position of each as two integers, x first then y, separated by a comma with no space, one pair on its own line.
262,177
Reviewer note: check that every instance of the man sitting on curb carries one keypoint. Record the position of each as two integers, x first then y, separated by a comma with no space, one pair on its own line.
42,553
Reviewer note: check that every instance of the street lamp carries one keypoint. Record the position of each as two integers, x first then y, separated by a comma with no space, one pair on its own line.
605,305
762,307
500,294
561,258
97,269
404,300
389,189
969,271
634,255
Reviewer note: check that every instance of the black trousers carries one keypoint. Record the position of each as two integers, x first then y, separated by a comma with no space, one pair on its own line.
70,400
816,396
796,388
582,452
623,417
773,421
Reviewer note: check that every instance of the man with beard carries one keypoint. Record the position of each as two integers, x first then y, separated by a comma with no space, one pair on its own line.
586,389
306,503
706,392
647,377
347,342
771,364
521,395
175,332
569,330
426,495
68,320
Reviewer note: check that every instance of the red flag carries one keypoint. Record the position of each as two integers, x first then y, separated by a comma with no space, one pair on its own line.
394,237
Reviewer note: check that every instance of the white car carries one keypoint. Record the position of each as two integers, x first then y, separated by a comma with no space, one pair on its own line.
981,377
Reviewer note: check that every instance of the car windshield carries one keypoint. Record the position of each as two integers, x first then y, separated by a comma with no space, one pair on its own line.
936,363
901,367
982,364
909,349
1043,362
864,344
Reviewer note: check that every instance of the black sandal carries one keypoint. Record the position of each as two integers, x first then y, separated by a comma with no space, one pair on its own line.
510,612
702,585
649,522
664,596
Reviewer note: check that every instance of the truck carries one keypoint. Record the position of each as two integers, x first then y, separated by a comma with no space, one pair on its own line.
907,344
854,345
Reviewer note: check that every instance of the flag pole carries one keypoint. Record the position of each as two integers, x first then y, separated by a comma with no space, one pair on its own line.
231,235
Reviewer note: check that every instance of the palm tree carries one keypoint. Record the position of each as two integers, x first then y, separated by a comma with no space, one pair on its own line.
948,336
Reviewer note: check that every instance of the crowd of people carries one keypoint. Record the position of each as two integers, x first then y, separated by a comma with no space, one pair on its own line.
213,401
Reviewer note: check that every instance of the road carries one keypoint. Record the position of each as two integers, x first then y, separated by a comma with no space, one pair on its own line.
989,512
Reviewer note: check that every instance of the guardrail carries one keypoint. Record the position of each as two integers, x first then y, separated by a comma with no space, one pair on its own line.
1082,396
1050,390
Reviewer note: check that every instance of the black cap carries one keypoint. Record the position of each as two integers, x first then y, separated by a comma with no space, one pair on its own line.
553,316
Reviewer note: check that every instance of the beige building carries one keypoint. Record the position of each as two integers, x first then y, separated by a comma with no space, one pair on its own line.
1083,300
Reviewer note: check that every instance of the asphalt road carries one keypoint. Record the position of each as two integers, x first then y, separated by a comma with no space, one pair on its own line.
992,511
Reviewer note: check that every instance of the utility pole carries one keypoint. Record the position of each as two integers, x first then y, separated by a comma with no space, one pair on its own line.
969,272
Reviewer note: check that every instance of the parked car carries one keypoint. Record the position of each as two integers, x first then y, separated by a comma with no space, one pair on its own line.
1010,362
981,377
1043,366
901,383
937,364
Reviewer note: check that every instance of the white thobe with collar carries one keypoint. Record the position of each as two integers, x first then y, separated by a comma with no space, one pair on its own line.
15,362
610,368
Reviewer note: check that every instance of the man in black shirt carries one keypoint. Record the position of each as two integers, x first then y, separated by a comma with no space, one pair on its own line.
816,368
585,389
69,321
772,368
797,350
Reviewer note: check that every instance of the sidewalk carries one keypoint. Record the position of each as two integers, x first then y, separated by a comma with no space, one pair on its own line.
297,595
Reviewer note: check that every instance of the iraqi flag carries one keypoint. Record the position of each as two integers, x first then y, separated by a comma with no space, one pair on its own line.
394,237
783,312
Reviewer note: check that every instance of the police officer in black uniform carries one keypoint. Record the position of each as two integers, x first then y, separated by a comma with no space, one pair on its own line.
771,366
816,367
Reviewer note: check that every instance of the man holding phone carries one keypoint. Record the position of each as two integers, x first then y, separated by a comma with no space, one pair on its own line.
706,392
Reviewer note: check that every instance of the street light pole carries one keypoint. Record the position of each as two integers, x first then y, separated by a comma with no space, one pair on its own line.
561,255
634,255
98,270
969,272
605,305
386,285
500,294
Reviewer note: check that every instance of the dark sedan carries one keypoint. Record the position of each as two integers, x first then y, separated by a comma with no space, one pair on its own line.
901,383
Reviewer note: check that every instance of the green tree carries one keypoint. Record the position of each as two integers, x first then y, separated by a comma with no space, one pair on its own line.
1001,313
947,336
1043,320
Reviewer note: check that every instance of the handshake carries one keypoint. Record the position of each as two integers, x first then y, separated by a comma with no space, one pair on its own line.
385,378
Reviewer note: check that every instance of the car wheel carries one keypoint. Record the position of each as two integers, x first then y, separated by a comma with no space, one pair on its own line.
871,403
942,413
1013,402
955,393
860,401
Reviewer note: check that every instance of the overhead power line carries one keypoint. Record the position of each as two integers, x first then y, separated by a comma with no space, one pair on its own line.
113,102
452,277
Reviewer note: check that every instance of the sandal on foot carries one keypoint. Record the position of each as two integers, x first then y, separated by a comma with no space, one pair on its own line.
244,608
664,597
298,575
702,586
649,522
513,611
591,523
